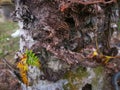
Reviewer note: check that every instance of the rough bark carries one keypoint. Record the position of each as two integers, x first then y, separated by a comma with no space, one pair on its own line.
64,34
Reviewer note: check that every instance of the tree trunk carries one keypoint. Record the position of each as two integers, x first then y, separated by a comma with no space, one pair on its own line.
64,35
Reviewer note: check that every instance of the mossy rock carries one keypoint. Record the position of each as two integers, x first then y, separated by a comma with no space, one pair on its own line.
75,78
98,80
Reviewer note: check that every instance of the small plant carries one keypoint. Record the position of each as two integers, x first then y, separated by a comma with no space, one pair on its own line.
23,68
32,59
26,59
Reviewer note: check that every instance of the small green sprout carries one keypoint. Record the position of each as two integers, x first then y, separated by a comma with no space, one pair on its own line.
32,59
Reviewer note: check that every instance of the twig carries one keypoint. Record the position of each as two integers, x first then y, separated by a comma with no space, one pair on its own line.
9,65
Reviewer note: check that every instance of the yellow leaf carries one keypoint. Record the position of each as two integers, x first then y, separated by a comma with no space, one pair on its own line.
107,59
95,53
24,58
23,68
19,65
24,77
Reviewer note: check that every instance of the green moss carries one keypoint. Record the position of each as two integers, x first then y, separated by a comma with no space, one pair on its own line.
95,82
74,78
118,24
99,72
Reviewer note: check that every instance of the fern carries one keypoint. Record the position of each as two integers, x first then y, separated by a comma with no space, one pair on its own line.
32,59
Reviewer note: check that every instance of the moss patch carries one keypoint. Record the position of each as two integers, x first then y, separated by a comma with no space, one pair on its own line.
74,78
99,71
